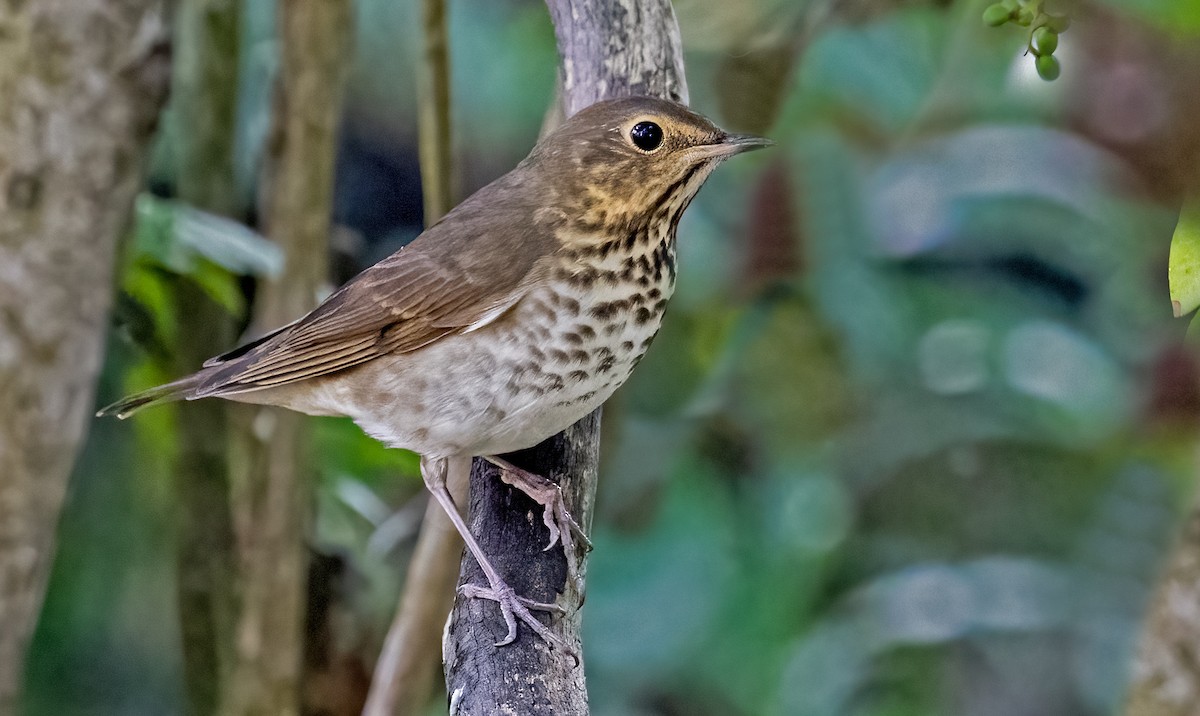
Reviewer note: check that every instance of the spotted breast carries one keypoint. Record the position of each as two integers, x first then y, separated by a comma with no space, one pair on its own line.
552,358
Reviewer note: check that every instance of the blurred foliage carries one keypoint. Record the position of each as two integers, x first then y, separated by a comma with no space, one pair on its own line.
915,434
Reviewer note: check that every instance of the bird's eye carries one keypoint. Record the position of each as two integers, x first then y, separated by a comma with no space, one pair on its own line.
646,136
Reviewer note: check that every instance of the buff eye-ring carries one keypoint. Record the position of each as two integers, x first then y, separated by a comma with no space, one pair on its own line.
646,136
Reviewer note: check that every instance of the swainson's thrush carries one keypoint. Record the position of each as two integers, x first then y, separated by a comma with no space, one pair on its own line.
518,313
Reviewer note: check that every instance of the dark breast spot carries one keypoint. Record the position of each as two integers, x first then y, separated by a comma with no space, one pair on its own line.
578,375
580,356
642,317
584,278
587,332
541,309
559,356
608,309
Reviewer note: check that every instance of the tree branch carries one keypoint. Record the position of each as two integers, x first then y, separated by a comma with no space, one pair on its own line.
609,48
274,488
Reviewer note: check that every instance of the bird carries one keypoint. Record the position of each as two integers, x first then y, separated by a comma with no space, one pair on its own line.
512,317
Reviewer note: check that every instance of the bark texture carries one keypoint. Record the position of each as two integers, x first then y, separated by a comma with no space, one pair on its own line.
273,485
608,48
617,48
81,82
1166,677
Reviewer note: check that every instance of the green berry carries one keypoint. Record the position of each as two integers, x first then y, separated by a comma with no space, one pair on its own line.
996,15
1024,17
1048,67
1058,23
1010,5
1045,40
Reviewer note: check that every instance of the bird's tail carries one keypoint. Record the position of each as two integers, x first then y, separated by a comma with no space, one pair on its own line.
170,392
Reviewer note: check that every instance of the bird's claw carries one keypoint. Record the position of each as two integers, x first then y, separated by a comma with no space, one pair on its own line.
555,515
514,607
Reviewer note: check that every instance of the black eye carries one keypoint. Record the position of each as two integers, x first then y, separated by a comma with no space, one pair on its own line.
646,136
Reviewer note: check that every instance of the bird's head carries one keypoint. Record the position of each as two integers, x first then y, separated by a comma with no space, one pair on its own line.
624,164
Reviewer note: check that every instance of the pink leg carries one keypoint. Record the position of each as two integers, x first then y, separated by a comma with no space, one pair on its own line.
512,607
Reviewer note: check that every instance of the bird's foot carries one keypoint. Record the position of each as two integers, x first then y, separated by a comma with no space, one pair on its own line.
513,607
563,527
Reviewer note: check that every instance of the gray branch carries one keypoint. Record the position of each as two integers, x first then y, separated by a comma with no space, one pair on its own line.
609,48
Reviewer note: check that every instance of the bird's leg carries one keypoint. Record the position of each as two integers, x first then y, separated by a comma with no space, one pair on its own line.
512,607
563,527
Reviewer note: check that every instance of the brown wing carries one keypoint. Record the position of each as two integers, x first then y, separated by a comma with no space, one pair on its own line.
465,271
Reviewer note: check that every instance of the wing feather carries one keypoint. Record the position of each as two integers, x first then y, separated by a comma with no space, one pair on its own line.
445,282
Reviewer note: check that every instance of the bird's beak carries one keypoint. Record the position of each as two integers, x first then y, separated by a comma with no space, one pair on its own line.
729,144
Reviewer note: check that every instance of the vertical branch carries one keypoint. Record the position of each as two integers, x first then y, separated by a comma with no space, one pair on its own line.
273,490
433,106
203,111
617,48
82,83
408,661
608,48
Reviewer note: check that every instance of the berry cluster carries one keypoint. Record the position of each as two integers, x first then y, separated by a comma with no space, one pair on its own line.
1044,30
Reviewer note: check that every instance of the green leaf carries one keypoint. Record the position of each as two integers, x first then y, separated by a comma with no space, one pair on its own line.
220,285
1179,17
227,243
176,236
1183,272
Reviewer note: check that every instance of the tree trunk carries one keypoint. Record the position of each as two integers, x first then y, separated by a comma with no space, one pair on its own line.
273,494
82,82
609,48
